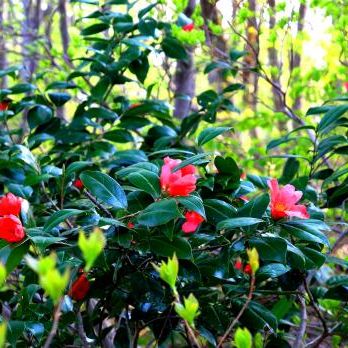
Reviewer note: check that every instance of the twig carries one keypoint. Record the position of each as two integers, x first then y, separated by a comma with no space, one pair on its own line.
81,330
317,310
54,204
246,304
303,324
96,203
317,341
53,332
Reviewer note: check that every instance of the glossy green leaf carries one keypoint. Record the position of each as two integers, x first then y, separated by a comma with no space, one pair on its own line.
146,181
159,213
104,188
210,133
59,216
237,222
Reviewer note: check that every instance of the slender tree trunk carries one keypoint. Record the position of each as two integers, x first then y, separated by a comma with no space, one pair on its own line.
3,58
250,79
274,62
217,43
63,26
184,78
273,58
30,28
295,60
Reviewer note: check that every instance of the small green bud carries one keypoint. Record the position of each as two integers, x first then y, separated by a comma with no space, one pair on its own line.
189,310
54,283
243,338
91,247
3,274
169,271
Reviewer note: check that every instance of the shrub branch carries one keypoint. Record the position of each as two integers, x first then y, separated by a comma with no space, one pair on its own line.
245,306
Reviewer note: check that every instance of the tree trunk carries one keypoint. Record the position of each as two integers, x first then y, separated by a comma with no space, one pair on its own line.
63,26
30,28
295,59
250,79
217,43
273,59
3,58
184,78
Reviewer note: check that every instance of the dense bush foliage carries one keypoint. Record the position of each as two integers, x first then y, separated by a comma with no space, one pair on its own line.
123,229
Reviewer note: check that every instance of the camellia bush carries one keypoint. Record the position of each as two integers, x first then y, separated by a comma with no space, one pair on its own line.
118,228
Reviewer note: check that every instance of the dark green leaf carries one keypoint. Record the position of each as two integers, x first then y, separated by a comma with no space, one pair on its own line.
162,247
159,213
146,181
237,222
104,188
210,133
193,203
173,48
38,115
270,248
94,29
272,270
59,216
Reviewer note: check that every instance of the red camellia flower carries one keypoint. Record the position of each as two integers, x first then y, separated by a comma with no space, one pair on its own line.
188,27
238,265
78,184
4,105
180,183
193,220
11,229
247,269
346,86
283,201
10,205
130,225
80,288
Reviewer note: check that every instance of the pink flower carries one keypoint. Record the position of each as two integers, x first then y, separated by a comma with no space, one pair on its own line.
345,84
193,220
180,183
283,201
188,27
11,229
10,205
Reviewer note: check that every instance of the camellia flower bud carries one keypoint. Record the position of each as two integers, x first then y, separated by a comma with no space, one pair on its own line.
188,27
80,288
238,265
4,104
247,269
130,225
78,184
